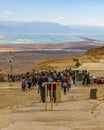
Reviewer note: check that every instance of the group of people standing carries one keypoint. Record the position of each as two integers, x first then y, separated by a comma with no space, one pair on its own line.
38,79
28,80
53,78
65,78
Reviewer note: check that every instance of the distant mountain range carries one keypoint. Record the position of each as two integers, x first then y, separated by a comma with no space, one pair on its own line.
12,27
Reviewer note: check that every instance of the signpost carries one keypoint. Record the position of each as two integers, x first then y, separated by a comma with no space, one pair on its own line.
11,63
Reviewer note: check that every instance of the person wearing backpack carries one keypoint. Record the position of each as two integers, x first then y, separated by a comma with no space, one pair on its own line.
23,83
64,84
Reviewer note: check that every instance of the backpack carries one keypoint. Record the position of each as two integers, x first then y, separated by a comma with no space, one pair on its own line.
65,84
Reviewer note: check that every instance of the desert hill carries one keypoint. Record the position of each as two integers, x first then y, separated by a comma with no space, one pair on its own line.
93,55
92,60
96,52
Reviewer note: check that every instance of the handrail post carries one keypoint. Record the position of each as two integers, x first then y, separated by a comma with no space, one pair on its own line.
51,97
56,94
60,92
45,85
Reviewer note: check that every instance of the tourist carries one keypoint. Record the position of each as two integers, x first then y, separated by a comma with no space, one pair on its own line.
23,83
52,90
64,84
29,81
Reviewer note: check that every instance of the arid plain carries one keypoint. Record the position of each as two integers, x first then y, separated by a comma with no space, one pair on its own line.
24,110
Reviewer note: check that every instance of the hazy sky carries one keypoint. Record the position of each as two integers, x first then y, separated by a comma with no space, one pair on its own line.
83,12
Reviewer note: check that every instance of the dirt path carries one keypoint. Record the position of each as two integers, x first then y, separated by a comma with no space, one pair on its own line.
75,112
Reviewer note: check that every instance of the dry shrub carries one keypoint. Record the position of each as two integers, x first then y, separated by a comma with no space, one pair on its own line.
2,76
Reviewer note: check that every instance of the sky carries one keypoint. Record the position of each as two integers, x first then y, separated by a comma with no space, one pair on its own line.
66,12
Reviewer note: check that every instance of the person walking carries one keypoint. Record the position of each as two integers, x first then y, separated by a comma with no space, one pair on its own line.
64,84
29,82
53,93
23,83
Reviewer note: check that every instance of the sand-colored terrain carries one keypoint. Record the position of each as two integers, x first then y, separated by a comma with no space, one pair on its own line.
26,60
96,69
92,60
24,110
92,66
26,57
75,112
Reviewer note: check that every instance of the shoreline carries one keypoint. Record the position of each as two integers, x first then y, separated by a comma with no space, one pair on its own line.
85,43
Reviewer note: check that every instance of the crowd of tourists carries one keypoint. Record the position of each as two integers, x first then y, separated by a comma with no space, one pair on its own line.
66,78
38,79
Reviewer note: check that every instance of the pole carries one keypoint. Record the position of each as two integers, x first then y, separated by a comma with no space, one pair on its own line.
11,68
45,97
60,89
51,97
56,94
10,60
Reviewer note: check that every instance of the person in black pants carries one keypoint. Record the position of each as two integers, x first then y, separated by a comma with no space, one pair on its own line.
42,79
